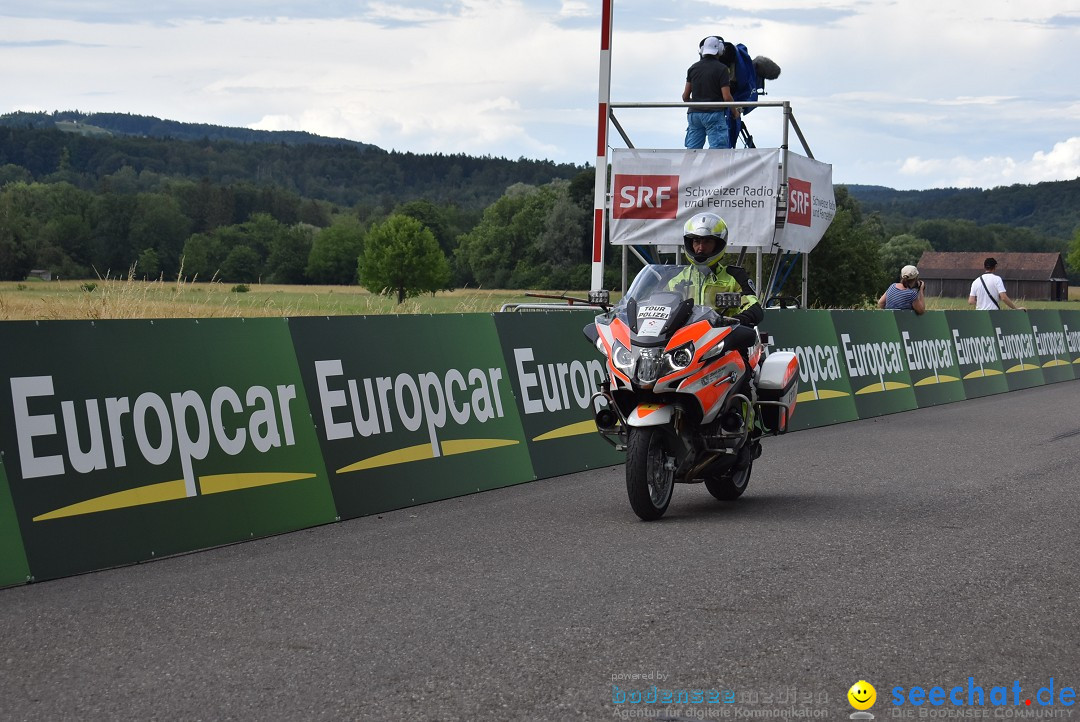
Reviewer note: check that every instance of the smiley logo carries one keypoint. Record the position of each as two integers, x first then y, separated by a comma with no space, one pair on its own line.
862,695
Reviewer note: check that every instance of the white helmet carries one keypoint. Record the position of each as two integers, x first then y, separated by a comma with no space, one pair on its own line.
705,225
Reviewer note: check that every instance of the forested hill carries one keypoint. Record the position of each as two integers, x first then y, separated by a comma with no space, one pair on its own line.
147,126
1051,208
53,147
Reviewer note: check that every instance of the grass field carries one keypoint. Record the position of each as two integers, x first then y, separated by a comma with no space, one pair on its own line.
133,298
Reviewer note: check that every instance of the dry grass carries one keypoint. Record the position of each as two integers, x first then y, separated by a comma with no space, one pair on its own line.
934,303
136,298
131,297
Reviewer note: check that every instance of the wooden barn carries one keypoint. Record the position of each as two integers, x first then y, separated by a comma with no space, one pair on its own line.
1033,276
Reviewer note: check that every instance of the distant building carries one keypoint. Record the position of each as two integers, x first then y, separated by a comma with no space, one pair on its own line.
40,273
1032,276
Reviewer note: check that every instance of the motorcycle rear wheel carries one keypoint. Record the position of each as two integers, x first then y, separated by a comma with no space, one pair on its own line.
730,483
649,483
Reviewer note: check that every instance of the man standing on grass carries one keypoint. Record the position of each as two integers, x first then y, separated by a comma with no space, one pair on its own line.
988,289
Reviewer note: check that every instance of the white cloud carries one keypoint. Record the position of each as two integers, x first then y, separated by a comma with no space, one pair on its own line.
910,94
1062,162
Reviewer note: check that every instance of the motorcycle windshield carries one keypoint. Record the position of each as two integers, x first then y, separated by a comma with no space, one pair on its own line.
654,279
656,292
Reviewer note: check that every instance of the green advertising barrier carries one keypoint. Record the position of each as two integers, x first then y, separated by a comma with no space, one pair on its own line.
977,354
129,440
824,387
876,362
930,357
13,566
1016,346
555,371
1070,324
1051,346
123,441
410,409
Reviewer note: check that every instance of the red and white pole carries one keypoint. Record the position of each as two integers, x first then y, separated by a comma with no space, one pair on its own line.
600,192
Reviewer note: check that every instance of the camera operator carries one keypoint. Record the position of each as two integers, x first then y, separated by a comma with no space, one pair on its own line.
905,295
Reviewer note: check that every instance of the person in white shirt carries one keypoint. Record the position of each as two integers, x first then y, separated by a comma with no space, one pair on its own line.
988,290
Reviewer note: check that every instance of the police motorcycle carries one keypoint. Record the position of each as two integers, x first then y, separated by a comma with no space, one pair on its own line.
689,391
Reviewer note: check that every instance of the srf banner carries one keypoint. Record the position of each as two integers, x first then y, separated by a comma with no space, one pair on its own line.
654,192
811,204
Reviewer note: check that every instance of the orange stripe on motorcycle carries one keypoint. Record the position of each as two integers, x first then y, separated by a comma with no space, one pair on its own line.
650,415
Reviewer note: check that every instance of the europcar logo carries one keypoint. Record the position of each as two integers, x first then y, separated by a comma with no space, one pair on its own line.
183,427
646,197
428,401
799,202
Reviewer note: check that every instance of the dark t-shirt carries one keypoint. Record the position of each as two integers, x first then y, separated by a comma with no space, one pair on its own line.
708,77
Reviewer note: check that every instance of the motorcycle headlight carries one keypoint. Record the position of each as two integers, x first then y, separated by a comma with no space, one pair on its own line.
621,356
681,357
649,365
600,346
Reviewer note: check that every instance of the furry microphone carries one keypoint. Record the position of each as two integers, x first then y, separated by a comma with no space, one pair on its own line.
766,68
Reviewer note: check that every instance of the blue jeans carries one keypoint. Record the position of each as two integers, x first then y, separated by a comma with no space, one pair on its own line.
714,125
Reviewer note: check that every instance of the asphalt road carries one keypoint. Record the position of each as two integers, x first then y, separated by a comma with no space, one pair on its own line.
918,549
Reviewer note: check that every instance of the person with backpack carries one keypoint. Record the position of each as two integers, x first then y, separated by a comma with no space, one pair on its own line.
988,289
708,80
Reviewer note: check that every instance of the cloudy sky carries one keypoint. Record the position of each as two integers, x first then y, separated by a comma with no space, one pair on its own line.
909,94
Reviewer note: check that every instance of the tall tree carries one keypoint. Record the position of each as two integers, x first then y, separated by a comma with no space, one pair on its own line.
335,252
1073,259
402,258
900,251
845,267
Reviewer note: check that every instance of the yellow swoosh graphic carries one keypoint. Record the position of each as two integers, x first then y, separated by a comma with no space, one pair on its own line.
877,386
171,491
219,483
464,446
984,372
579,429
805,396
152,494
420,452
1021,367
943,379
1055,362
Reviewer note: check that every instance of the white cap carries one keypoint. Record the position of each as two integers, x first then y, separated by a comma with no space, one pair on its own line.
711,46
909,272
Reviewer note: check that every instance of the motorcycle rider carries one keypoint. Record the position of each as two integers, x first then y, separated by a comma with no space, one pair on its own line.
705,238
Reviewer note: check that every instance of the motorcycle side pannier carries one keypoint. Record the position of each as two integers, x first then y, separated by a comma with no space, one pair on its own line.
778,386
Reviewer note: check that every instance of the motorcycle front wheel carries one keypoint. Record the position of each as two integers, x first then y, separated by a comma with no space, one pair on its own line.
729,484
650,473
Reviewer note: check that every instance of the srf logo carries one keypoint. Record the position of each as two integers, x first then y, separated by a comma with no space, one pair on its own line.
798,211
646,197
